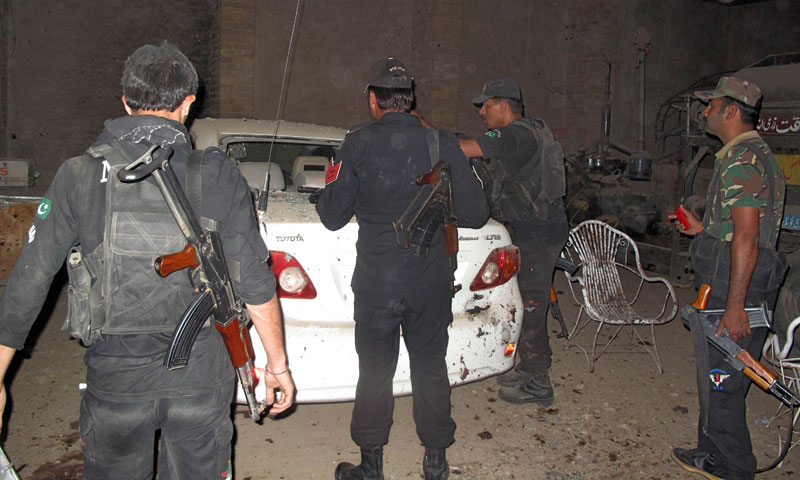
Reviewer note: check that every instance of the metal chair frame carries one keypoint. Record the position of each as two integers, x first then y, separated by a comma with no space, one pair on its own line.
601,252
789,372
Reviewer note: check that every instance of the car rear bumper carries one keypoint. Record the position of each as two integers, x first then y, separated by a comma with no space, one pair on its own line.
324,363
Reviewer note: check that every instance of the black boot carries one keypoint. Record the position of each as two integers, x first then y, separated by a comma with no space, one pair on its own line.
370,468
513,378
434,465
536,389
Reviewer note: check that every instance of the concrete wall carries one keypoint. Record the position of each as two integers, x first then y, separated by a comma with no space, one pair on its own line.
558,50
62,63
62,60
4,44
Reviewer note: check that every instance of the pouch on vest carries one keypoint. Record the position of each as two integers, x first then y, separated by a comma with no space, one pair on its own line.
85,309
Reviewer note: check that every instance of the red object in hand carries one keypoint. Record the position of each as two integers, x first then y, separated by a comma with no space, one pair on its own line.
682,218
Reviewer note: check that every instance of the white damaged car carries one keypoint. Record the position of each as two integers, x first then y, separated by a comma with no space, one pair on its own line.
314,266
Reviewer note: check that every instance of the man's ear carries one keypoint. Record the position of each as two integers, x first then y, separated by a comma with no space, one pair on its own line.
374,110
127,108
186,104
731,111
504,107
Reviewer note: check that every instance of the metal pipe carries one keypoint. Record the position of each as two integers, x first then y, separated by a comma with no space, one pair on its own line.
640,140
605,121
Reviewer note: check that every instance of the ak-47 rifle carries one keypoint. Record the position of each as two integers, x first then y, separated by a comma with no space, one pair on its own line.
434,212
203,254
740,359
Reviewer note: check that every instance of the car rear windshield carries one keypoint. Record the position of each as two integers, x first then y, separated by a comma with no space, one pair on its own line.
283,153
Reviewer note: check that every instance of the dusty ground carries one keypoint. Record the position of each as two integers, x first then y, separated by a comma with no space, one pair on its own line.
617,423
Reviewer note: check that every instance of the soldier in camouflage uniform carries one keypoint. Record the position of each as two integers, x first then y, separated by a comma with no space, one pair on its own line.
734,251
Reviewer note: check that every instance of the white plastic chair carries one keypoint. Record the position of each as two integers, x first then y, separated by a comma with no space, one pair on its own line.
604,256
788,369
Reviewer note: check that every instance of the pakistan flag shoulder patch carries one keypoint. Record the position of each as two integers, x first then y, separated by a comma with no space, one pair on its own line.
43,209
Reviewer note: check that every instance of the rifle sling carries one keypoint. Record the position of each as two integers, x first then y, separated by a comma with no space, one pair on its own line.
704,394
194,176
432,137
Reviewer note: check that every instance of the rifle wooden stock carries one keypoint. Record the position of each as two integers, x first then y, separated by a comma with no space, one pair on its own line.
237,341
755,371
186,258
430,178
450,238
702,297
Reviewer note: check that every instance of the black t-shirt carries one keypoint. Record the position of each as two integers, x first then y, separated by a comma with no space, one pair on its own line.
513,146
127,367
377,167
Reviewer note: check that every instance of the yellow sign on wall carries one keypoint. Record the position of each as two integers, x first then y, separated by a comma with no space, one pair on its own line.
791,168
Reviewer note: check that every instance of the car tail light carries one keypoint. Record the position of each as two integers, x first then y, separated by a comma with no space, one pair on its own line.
500,266
511,347
293,282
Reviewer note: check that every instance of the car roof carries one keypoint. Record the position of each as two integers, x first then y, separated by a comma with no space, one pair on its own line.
209,132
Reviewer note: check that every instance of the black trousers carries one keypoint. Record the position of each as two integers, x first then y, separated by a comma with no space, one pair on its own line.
540,245
727,424
423,316
118,438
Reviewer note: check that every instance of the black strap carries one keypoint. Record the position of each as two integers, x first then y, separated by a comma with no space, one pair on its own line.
194,175
433,145
701,359
704,394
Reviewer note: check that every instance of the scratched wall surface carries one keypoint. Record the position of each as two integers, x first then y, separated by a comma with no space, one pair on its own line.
15,220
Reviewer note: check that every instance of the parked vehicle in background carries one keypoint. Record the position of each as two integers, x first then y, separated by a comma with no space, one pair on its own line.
314,265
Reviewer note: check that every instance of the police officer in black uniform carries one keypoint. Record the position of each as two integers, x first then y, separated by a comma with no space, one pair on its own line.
373,178
513,146
129,394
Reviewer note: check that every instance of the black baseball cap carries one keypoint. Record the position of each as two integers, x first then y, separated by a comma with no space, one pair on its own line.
390,73
498,88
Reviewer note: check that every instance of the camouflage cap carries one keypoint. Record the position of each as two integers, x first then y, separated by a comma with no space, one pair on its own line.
389,73
498,88
745,91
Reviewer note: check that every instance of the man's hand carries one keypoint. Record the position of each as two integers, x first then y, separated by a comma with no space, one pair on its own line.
695,225
267,320
2,404
6,354
736,323
422,120
282,379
